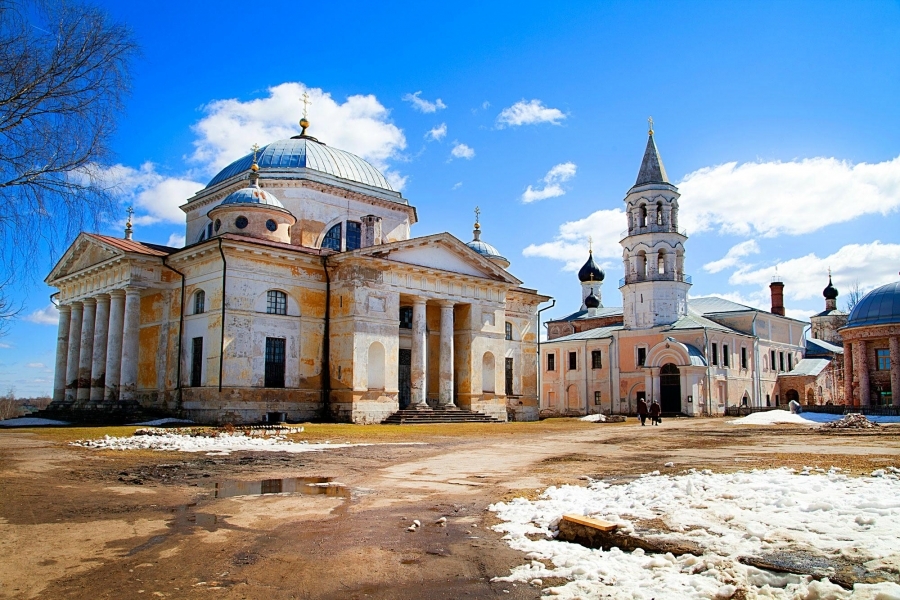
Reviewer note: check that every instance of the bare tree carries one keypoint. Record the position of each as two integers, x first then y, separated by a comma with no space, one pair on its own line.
9,408
63,79
854,295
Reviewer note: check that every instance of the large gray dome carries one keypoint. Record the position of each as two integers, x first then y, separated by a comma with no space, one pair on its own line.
881,306
306,153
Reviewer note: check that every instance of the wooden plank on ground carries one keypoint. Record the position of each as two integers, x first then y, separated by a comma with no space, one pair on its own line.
599,524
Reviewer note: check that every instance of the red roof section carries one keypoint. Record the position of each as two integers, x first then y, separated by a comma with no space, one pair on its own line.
133,246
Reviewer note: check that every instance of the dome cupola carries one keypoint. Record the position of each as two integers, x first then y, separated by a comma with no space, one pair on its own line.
590,271
830,292
592,301
253,211
881,306
483,248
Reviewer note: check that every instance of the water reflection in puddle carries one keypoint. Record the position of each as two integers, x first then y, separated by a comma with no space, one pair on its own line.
307,486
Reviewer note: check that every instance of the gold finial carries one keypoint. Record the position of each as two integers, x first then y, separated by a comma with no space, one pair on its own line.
477,215
128,229
650,123
304,122
590,246
254,167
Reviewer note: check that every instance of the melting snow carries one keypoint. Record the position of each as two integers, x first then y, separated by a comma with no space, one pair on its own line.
598,418
773,417
731,515
164,421
224,443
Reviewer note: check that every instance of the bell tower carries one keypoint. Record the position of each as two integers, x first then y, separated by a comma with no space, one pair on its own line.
654,289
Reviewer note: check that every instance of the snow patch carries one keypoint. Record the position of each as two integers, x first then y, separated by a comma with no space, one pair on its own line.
598,418
221,444
774,417
730,515
164,421
30,422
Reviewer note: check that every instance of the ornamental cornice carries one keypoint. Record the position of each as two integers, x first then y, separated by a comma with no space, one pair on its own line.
870,332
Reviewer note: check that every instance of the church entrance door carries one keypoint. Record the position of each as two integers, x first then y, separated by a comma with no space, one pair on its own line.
670,389
404,382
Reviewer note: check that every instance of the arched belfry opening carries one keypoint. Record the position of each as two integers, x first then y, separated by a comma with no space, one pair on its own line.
670,388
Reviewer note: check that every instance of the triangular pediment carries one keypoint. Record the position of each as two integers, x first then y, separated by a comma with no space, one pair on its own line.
440,252
85,252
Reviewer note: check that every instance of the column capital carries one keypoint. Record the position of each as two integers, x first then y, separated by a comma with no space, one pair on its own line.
117,293
64,308
446,303
89,301
102,298
77,305
419,300
131,290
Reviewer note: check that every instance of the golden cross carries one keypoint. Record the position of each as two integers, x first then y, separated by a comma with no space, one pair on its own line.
650,122
477,213
590,244
130,211
255,149
306,102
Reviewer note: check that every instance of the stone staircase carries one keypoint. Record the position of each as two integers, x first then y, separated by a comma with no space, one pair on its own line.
413,417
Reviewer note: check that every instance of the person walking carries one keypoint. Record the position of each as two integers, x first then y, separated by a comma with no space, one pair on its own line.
642,410
655,411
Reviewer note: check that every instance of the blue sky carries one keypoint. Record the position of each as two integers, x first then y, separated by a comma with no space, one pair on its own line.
778,121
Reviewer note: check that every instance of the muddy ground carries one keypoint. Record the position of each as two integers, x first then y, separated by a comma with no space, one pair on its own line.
83,523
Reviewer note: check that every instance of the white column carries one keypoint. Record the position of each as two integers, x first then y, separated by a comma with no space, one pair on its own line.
74,347
894,345
130,344
114,344
418,368
862,372
98,362
62,353
445,379
86,352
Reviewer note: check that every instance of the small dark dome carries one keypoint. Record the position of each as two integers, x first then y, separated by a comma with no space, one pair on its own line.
881,306
592,301
830,292
590,271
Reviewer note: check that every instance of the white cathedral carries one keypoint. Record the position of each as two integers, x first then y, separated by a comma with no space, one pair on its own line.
301,295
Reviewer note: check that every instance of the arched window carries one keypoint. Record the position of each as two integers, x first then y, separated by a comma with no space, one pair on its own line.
509,335
276,302
332,239
659,213
487,373
376,367
354,235
643,215
199,302
661,262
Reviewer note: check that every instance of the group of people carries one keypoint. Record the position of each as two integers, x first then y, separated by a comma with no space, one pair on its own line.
653,411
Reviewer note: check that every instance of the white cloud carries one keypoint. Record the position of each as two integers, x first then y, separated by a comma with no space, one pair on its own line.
461,150
48,315
5,345
797,197
552,180
176,240
529,113
437,133
156,197
359,125
422,105
571,243
804,277
36,365
733,257
457,185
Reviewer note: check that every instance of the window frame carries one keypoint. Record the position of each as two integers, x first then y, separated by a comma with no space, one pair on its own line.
404,322
199,302
329,238
597,397
573,360
275,371
508,375
279,306
508,331
197,362
744,361
715,353
596,359
641,357
551,361
726,362
882,359
352,235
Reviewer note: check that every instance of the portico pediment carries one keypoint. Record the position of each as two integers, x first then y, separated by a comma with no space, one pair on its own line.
90,249
440,252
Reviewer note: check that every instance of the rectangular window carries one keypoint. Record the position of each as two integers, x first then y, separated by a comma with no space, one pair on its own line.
551,362
508,330
354,235
276,302
597,398
772,364
274,362
883,359
790,362
509,377
725,358
196,361
573,361
406,317
743,358
715,353
596,359
781,361
642,356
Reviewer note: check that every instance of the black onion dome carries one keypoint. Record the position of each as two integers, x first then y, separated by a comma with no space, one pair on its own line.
830,292
590,271
592,301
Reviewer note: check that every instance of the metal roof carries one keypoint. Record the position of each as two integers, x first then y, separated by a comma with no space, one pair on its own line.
714,304
306,153
612,311
484,249
696,356
814,346
591,334
652,169
881,306
808,366
253,195
694,321
133,246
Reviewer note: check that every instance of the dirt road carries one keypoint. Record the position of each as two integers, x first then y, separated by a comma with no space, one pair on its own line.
82,523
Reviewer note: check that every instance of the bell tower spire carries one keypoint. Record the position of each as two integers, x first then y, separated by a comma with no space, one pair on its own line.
655,288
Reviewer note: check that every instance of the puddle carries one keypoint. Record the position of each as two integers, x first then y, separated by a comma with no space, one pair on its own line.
307,486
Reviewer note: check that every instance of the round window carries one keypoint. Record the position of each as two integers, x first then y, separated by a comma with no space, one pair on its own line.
271,225
241,222
218,224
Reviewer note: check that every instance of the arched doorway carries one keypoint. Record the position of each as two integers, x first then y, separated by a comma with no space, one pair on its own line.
670,389
792,395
